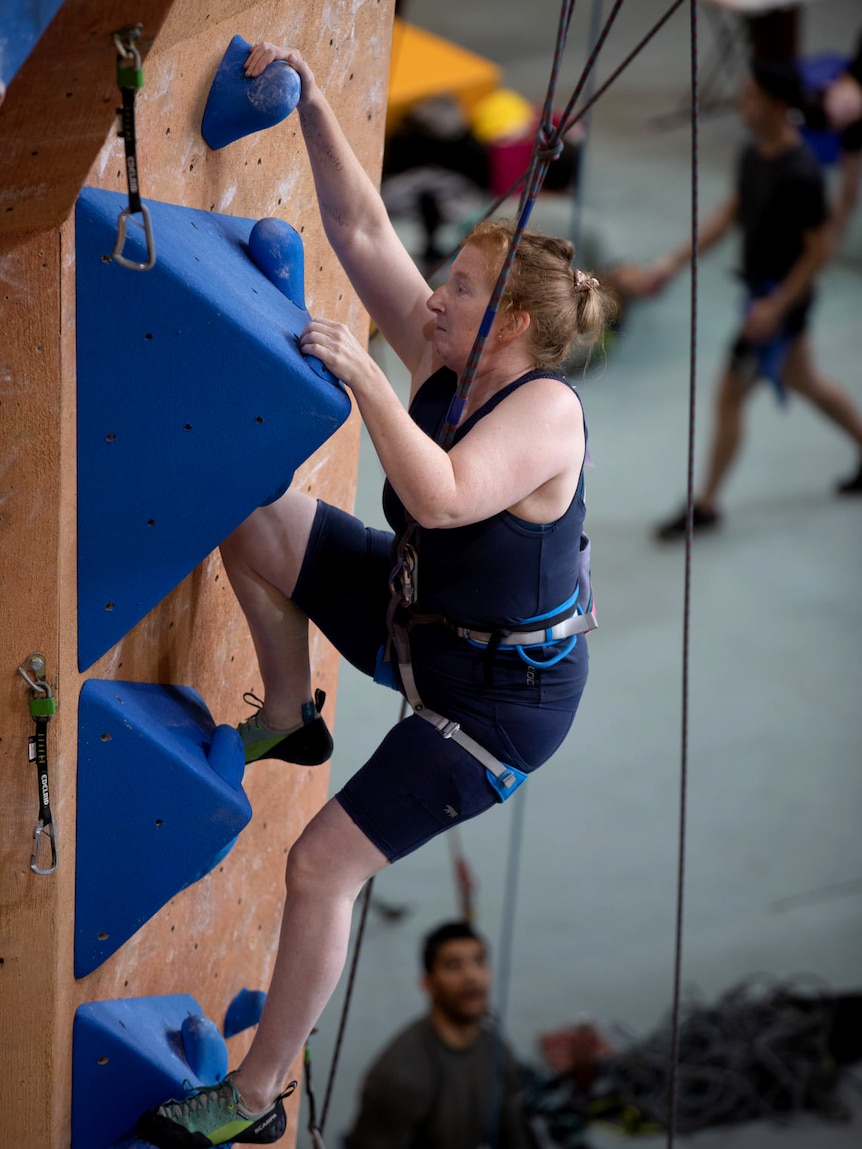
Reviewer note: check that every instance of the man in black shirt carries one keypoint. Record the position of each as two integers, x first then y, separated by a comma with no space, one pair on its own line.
780,205
447,1081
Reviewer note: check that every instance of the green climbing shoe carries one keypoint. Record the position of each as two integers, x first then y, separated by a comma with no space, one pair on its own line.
307,745
213,1115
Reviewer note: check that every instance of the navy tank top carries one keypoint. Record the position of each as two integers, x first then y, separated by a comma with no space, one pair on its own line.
501,571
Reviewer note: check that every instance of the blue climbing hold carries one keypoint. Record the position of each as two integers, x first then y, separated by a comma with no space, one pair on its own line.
244,1011
204,1048
148,747
226,755
238,106
130,1054
277,249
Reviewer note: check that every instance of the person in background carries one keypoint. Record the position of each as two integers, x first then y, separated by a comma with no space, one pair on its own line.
779,204
446,1081
842,106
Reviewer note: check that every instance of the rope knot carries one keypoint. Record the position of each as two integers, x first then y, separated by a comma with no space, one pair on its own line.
549,144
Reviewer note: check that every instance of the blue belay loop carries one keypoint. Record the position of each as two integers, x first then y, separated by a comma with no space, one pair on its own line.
507,783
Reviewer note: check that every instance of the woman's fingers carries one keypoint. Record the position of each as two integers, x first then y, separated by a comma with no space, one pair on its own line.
263,54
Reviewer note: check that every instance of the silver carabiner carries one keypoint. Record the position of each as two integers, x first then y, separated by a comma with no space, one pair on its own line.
117,254
41,830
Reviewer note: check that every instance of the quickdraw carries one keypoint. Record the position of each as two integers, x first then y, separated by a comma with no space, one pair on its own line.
43,707
130,77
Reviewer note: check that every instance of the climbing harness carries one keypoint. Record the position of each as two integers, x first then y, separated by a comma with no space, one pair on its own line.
562,626
130,77
43,706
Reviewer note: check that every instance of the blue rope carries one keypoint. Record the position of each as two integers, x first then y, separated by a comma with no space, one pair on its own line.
547,146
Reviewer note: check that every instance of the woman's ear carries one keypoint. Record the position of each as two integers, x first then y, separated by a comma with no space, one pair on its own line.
514,325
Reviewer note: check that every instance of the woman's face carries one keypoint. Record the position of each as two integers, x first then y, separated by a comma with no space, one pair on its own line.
458,306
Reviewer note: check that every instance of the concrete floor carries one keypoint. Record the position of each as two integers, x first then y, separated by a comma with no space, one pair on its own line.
774,859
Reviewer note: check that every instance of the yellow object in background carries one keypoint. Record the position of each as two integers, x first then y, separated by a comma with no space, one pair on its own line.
502,115
424,65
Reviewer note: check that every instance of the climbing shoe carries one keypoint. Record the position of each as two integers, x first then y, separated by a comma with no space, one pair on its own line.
852,485
213,1115
307,745
701,522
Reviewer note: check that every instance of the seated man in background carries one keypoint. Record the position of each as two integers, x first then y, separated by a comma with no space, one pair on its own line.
447,1081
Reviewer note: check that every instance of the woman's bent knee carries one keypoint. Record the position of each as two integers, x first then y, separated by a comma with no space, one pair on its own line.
331,854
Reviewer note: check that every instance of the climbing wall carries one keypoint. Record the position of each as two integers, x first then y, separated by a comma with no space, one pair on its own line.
143,414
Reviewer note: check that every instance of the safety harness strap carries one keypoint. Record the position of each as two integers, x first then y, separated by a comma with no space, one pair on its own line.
505,778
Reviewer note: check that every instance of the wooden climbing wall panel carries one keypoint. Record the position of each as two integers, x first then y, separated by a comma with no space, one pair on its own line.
58,131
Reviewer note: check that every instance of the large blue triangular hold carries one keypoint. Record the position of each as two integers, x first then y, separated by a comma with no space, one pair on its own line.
238,106
23,25
132,1054
160,803
195,404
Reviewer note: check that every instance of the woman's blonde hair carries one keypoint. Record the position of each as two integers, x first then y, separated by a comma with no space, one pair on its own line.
567,307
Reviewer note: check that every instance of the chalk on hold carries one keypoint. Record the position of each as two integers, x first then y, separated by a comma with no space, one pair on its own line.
244,1011
238,106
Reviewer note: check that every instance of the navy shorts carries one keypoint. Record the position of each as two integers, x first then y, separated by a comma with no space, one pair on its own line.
750,359
417,783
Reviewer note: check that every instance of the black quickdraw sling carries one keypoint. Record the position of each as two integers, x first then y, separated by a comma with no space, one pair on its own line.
130,77
562,626
43,706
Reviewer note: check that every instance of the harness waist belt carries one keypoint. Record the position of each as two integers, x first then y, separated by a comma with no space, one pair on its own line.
575,624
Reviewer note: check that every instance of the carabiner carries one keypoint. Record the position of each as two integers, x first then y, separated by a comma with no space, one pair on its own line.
117,254
40,830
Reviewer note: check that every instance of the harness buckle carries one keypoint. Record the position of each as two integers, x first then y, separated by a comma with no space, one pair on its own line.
446,726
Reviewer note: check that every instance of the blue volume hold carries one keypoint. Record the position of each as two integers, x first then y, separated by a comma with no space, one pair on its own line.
277,249
238,106
146,746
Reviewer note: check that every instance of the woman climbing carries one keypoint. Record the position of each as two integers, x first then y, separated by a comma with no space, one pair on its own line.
485,632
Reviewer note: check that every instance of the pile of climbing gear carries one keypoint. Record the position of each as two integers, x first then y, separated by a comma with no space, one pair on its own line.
760,1052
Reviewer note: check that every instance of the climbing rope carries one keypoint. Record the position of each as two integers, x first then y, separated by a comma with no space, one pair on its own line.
504,967
686,629
354,965
547,147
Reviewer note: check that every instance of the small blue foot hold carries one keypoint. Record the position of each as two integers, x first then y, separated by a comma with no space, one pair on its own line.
244,1011
238,106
